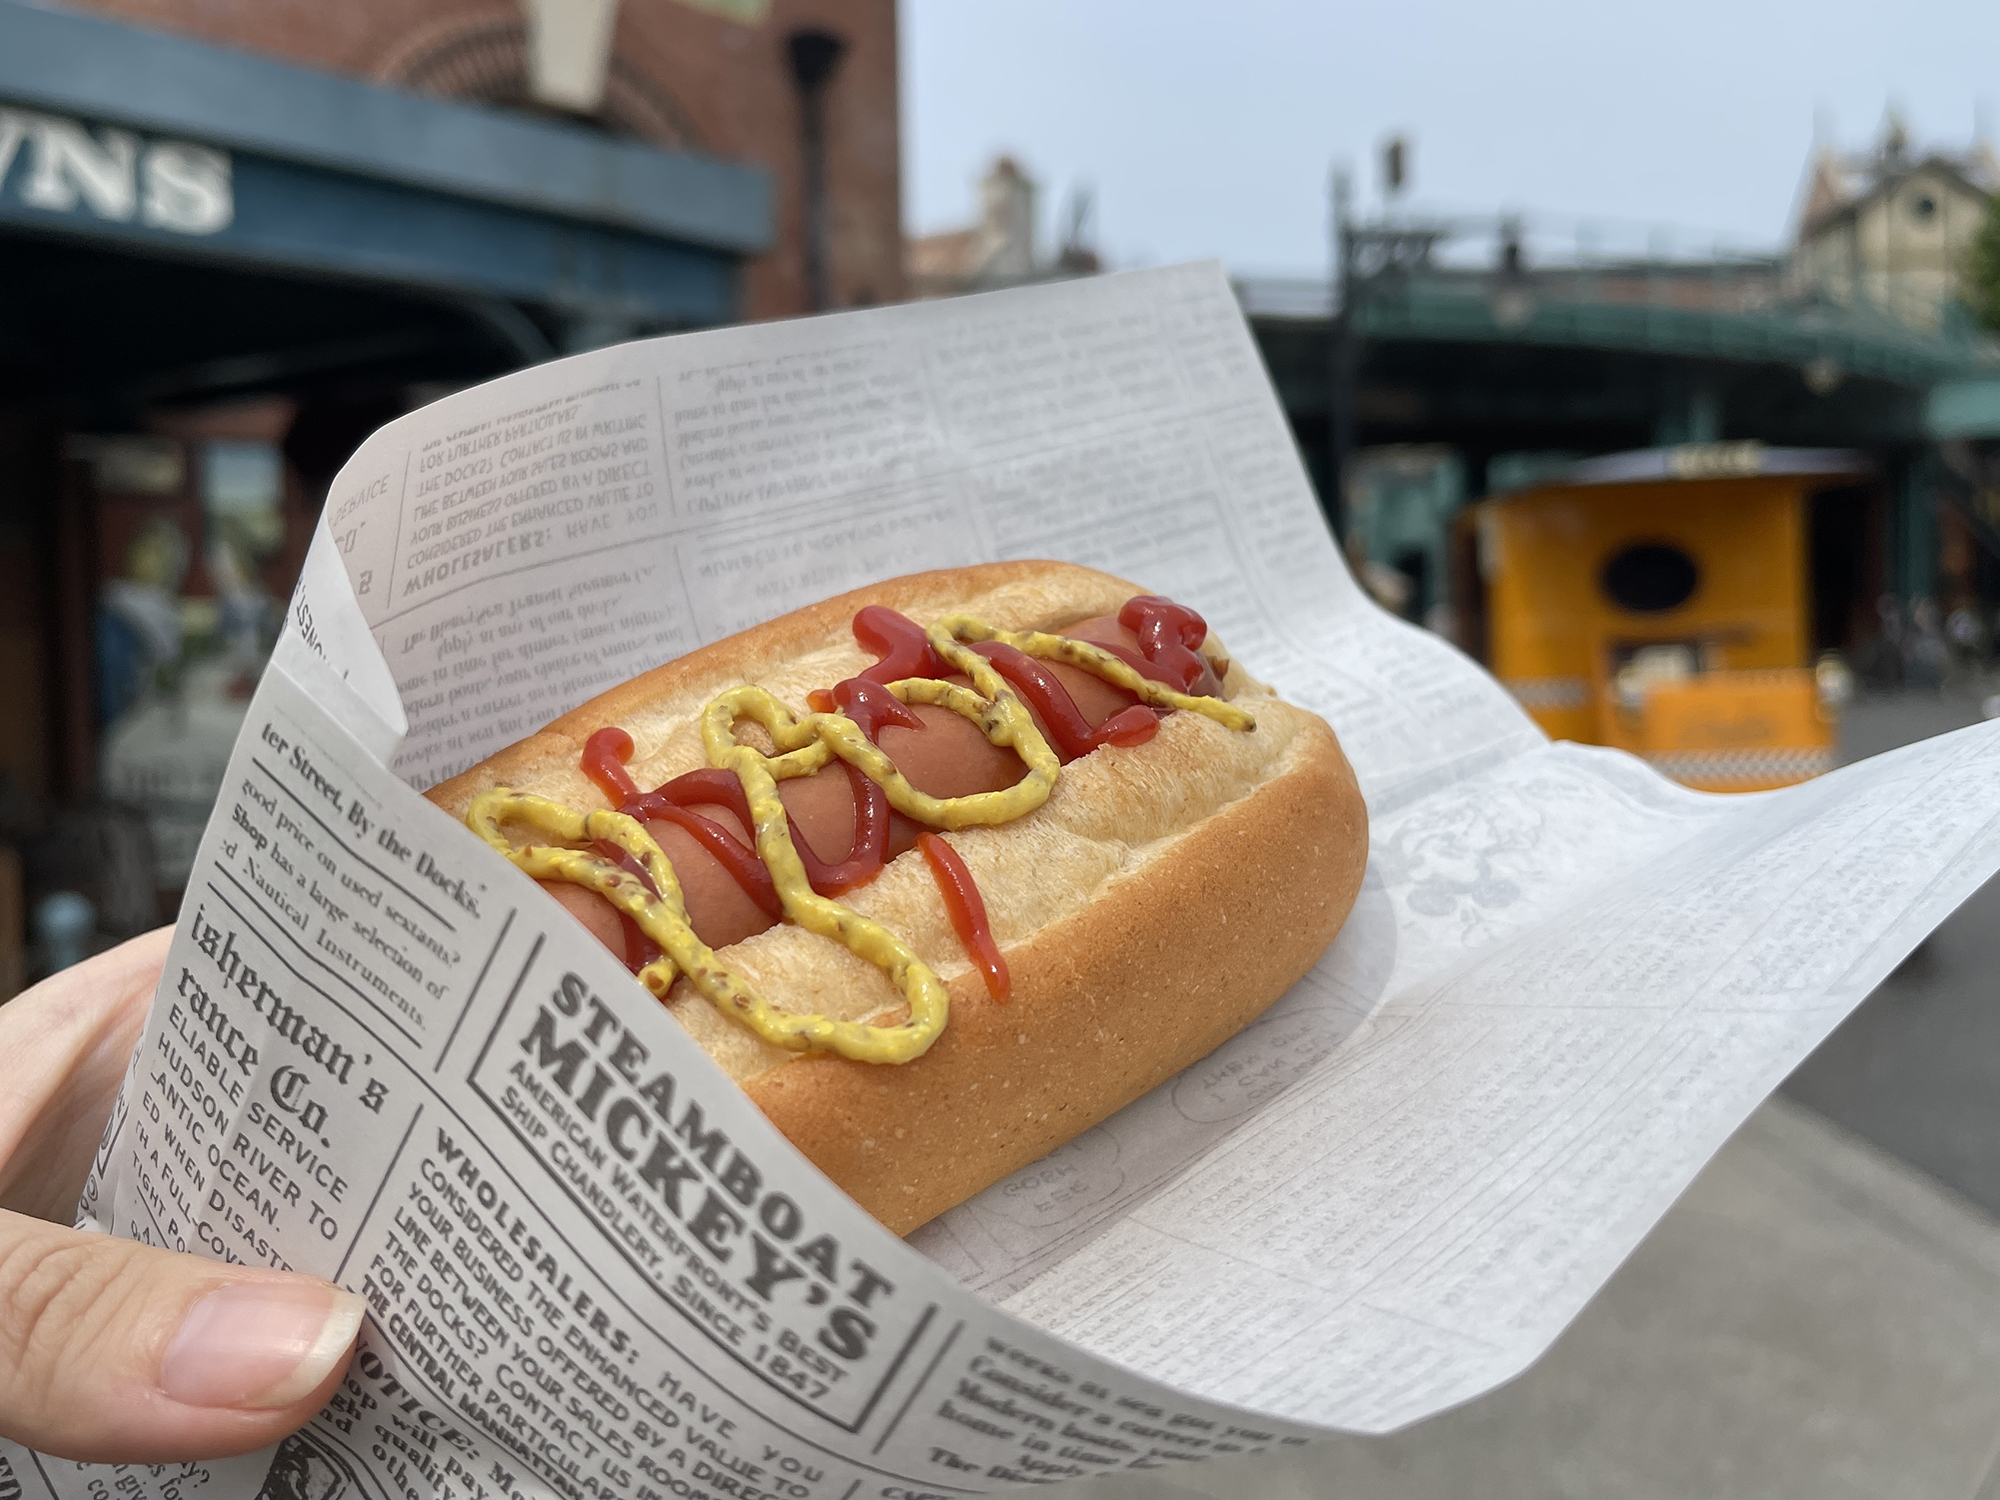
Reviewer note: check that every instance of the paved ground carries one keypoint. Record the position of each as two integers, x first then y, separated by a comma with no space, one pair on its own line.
1811,1320
1916,1069
1819,1316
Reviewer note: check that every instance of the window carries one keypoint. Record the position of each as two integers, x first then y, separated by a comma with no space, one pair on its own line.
488,61
1650,578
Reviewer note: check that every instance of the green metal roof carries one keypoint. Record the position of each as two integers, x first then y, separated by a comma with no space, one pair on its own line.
1859,342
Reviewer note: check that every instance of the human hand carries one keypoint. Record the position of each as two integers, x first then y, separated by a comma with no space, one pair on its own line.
110,1350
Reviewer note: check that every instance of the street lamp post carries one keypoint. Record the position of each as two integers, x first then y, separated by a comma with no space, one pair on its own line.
1344,368
814,55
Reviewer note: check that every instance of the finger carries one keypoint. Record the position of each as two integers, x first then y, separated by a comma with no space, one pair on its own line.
114,1352
65,1044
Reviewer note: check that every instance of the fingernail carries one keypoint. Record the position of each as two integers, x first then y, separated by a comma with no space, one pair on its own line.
259,1344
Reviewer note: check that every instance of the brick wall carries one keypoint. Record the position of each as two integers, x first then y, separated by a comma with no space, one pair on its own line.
726,82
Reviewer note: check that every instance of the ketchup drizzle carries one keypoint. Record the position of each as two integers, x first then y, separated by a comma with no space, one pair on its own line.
735,856
1059,714
604,757
900,642
967,911
640,950
1168,634
871,705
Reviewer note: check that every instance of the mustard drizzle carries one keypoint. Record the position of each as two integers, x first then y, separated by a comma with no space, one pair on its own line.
803,746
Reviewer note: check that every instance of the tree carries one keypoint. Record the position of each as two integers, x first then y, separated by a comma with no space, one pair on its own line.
1982,268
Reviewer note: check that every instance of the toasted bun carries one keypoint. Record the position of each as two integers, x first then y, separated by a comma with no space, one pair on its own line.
1154,906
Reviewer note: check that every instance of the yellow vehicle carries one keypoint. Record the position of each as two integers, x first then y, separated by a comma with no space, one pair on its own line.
1665,602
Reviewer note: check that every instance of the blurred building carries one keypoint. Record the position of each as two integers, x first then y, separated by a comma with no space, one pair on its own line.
238,235
1892,226
1451,360
711,79
1401,498
1002,248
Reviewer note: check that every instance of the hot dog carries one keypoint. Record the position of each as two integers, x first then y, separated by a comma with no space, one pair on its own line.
946,870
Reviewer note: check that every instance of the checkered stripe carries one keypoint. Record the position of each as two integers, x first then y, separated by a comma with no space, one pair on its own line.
1548,692
1777,764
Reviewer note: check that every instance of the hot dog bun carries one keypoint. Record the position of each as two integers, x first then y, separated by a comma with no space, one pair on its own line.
1164,895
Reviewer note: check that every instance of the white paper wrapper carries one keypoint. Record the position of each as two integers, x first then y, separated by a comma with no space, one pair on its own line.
373,1054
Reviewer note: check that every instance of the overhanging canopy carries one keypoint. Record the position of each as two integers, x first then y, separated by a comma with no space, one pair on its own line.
127,137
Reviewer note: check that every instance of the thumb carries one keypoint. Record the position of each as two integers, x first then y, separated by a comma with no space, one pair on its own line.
116,1352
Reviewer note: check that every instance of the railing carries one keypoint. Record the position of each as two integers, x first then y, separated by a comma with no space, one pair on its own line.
1506,278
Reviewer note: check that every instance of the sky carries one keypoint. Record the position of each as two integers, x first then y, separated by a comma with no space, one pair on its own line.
1206,128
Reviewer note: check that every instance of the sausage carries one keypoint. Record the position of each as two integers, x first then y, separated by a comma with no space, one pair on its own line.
948,757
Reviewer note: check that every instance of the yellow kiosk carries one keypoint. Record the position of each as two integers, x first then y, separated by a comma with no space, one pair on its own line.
1663,602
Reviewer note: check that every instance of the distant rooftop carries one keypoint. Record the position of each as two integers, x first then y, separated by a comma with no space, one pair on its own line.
1837,180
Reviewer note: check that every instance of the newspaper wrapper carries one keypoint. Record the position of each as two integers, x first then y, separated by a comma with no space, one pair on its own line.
380,1055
